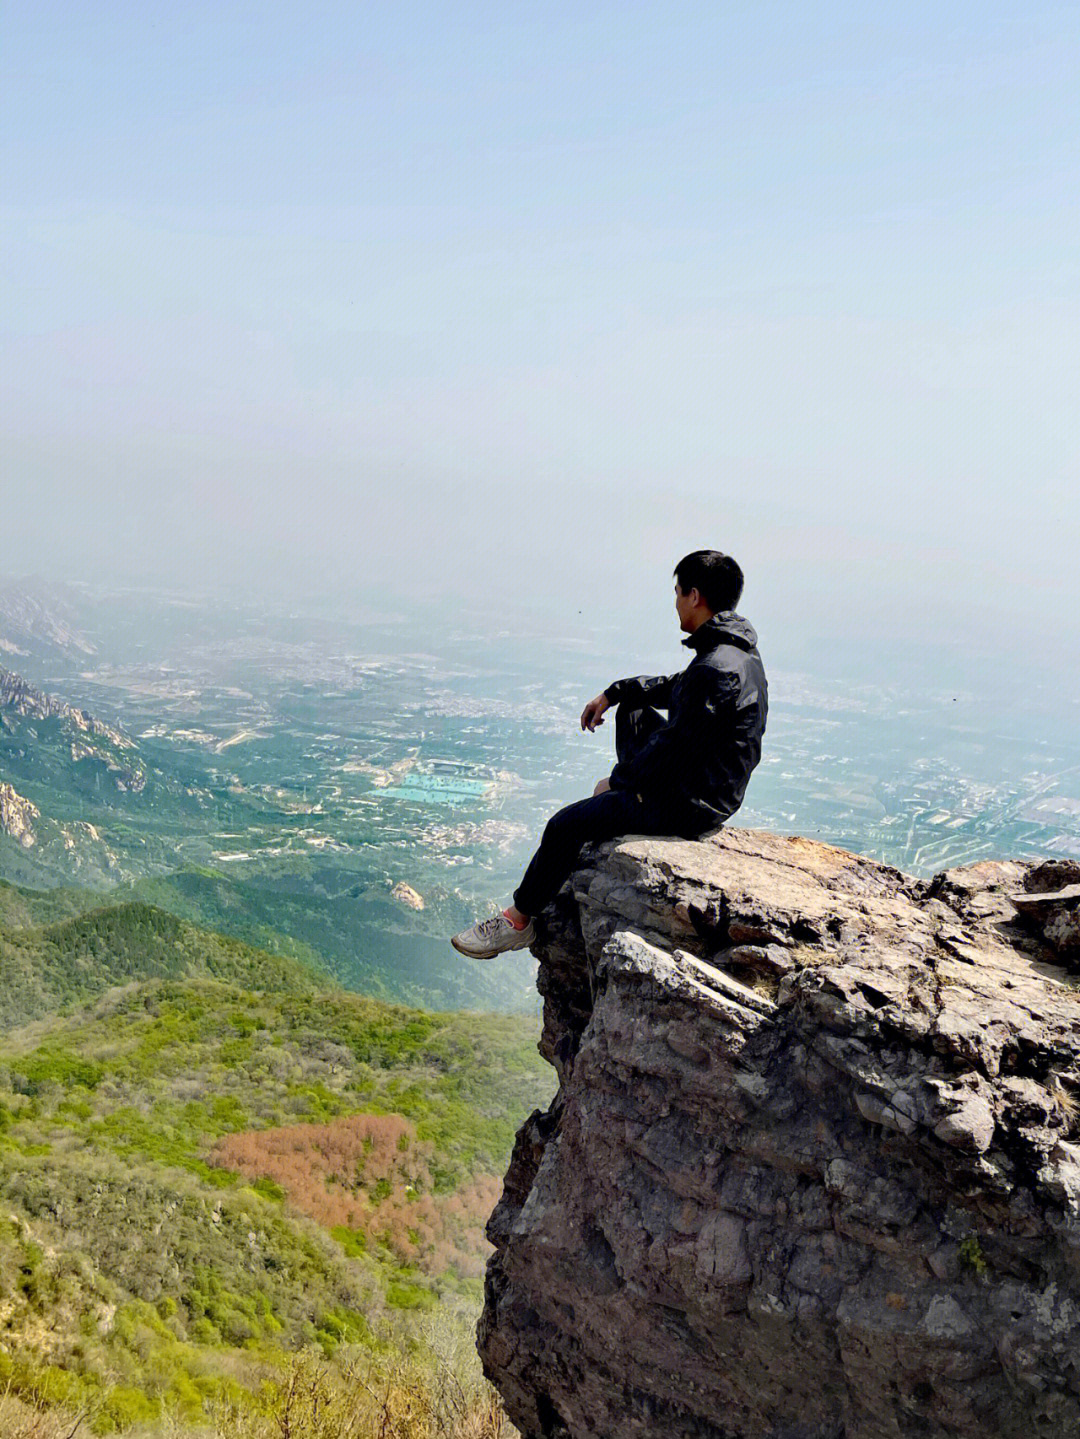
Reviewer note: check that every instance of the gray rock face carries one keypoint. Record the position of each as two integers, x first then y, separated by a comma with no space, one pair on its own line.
813,1168
1050,902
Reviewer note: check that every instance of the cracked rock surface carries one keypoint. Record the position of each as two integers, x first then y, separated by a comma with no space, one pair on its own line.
813,1169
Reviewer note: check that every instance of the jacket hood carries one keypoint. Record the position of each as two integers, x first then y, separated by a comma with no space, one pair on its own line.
725,628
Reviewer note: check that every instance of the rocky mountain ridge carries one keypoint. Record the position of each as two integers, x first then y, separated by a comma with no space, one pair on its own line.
85,736
49,748
812,1171
76,845
37,615
18,696
17,816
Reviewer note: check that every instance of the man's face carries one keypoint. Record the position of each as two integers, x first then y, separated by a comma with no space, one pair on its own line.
684,606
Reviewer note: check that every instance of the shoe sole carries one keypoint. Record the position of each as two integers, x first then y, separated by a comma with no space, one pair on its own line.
492,953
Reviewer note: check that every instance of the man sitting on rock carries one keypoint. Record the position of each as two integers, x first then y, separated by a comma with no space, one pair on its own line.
681,776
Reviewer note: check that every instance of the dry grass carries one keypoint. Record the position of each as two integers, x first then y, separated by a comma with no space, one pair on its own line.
317,1400
20,1419
364,1397
1066,1104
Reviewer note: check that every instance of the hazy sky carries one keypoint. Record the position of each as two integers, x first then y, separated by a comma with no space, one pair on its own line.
523,301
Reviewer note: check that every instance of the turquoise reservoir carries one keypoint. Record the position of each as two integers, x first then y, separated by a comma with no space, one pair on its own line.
448,789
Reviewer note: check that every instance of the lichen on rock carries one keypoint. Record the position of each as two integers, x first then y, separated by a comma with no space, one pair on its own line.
813,1168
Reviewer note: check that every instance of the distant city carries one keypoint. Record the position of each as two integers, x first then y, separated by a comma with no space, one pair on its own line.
330,760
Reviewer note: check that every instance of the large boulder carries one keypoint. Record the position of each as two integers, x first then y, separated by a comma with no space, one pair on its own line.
812,1171
1050,903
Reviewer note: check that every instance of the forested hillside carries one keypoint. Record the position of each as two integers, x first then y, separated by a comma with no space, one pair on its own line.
44,968
225,1182
20,907
363,937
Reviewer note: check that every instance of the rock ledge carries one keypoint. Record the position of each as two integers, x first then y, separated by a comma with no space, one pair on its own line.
812,1171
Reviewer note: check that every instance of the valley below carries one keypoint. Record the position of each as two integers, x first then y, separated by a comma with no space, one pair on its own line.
254,1110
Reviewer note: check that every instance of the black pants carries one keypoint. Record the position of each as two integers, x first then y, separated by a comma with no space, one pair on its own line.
602,816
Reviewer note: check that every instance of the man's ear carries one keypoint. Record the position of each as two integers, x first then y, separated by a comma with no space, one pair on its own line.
694,596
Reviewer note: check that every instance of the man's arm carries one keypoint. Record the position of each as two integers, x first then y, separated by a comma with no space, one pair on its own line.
704,713
652,690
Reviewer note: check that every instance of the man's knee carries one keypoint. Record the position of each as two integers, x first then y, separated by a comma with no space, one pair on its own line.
561,824
626,720
583,820
634,727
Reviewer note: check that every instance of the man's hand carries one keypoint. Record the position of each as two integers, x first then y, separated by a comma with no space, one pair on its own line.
602,787
593,713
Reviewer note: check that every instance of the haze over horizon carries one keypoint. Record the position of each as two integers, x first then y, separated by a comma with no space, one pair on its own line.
509,309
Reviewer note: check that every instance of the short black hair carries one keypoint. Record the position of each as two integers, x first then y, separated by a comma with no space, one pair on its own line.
716,577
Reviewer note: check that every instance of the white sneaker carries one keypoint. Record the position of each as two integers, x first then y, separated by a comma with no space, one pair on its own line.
489,937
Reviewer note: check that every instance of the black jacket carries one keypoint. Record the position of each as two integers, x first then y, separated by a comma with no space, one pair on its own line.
716,709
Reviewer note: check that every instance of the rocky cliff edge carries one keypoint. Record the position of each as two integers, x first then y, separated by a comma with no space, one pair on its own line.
812,1171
